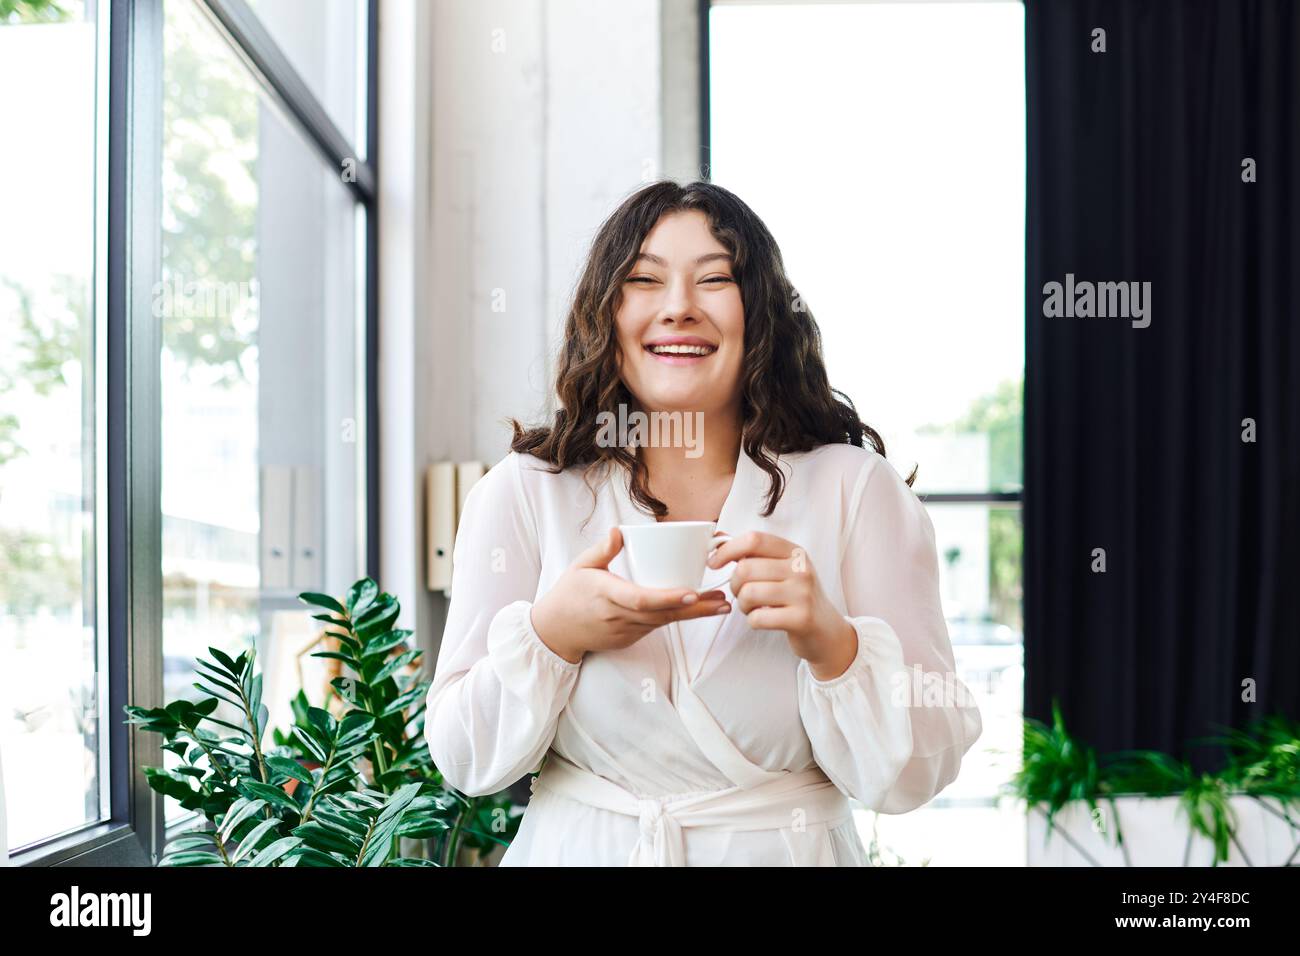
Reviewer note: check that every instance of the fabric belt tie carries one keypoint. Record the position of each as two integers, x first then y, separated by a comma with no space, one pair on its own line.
802,805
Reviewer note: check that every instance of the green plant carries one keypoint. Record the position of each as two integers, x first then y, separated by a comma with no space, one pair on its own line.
334,791
1265,760
1056,768
1262,760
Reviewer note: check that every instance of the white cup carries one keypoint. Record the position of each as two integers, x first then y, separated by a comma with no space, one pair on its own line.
670,554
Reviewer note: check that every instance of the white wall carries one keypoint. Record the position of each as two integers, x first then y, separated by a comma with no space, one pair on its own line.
525,126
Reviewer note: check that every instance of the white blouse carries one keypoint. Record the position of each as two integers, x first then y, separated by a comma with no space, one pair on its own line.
705,742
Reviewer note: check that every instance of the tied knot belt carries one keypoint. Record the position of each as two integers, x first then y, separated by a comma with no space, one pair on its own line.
800,804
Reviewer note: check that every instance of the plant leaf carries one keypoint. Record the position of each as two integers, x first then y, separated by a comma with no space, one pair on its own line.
361,595
249,843
275,851
382,645
273,795
380,843
191,858
327,838
322,600
291,768
224,660
339,656
396,664
239,811
401,702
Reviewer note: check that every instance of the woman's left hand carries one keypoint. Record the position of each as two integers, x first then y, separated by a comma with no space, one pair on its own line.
776,587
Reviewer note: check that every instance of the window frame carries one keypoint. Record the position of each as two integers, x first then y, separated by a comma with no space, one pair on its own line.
128,510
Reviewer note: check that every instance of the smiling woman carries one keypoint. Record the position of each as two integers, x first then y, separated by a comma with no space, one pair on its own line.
671,730
692,262
681,332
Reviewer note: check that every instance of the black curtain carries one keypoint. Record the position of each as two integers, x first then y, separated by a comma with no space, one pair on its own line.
1134,435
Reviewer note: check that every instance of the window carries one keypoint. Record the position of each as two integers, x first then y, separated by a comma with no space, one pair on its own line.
188,276
323,41
51,641
884,145
259,342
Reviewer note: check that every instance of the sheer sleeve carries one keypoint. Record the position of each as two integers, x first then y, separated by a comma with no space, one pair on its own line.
497,689
892,729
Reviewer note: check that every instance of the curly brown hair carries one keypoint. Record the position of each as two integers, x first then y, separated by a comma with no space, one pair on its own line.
788,404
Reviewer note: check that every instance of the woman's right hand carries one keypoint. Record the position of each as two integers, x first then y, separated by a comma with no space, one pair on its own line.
591,609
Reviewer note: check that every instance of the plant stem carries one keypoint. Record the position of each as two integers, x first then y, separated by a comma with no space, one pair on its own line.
257,743
378,761
221,847
366,842
328,766
212,763
454,841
